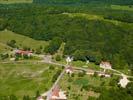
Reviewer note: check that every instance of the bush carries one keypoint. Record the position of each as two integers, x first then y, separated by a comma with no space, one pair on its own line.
58,58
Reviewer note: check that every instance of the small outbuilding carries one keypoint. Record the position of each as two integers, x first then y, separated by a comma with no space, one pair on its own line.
105,65
69,70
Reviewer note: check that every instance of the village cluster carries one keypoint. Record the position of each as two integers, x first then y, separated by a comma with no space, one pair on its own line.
55,93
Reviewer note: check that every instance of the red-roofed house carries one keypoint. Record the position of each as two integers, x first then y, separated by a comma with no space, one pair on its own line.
105,65
23,52
69,70
57,94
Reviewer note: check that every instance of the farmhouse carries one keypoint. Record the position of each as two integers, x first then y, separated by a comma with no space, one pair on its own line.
57,94
23,52
105,65
69,70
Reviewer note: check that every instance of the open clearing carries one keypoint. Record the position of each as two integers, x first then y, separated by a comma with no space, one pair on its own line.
15,1
21,41
118,7
25,79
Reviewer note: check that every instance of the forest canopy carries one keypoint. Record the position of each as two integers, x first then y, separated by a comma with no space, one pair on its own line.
109,38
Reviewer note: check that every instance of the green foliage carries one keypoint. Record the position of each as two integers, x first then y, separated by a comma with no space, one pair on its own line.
58,58
12,43
3,24
93,39
4,56
128,2
56,76
51,67
53,45
115,94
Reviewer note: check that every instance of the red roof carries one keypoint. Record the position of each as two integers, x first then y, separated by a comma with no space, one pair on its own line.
69,68
23,52
55,91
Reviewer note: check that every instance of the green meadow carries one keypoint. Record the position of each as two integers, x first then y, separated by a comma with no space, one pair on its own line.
21,41
15,1
25,78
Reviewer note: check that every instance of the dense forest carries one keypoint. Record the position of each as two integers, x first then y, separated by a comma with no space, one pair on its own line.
95,39
120,2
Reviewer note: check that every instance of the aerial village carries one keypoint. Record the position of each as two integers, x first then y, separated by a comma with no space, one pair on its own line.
56,92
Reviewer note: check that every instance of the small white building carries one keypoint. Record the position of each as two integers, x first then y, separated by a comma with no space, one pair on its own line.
105,65
124,81
90,72
104,75
69,60
12,59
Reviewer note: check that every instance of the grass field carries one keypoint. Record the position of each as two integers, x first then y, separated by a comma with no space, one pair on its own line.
4,48
21,41
15,1
118,7
25,79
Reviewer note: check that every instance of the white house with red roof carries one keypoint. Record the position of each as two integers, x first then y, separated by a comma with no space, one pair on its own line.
105,65
57,94
69,70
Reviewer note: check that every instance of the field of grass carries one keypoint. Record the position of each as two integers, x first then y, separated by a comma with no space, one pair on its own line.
15,1
25,79
119,7
21,41
73,85
4,48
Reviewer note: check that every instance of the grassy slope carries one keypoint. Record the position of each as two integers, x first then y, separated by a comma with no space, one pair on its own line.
22,41
15,1
4,47
25,79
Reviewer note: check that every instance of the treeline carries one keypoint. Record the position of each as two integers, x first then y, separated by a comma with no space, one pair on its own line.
94,40
120,2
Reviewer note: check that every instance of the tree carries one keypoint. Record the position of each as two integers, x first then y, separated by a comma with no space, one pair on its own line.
54,45
58,57
37,94
51,67
129,89
12,43
13,97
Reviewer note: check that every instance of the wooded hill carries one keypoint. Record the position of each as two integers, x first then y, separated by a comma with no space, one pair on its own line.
120,2
90,32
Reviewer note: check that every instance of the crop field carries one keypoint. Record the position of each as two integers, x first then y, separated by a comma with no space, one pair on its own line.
25,79
21,41
15,1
